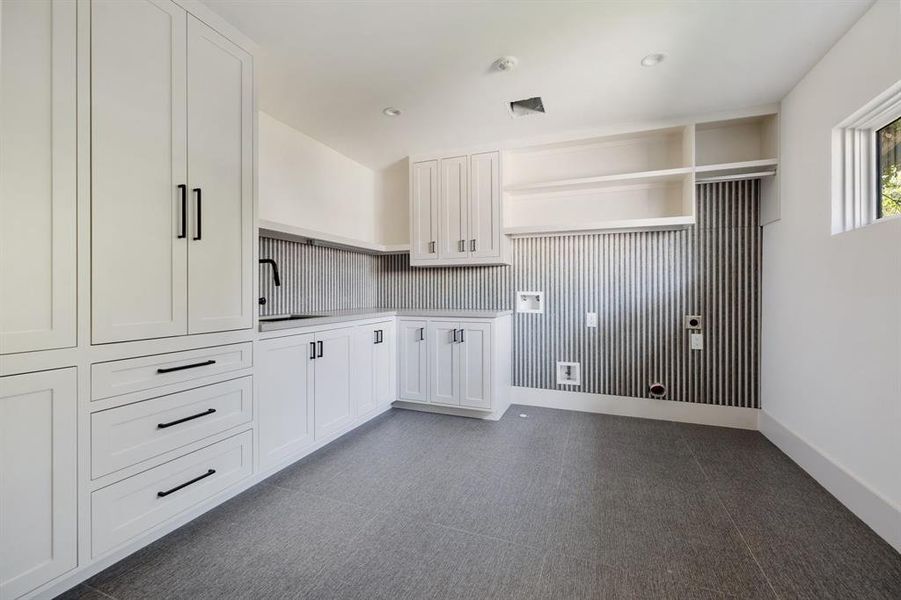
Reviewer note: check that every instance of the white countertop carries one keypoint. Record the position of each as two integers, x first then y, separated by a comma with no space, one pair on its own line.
324,317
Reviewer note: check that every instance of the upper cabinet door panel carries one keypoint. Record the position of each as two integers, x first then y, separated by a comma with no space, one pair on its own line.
138,146
220,163
453,202
424,210
485,229
37,175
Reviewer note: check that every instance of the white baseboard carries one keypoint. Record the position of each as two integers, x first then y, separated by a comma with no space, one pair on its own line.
872,508
646,408
449,410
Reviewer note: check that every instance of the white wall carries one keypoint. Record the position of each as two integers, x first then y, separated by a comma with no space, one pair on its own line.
831,347
304,183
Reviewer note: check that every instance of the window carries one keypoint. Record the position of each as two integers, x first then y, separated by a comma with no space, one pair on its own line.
866,164
888,161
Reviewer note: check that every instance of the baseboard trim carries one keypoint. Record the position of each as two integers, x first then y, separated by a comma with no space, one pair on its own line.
645,408
872,508
450,410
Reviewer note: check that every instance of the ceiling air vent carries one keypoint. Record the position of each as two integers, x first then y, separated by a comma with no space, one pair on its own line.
529,106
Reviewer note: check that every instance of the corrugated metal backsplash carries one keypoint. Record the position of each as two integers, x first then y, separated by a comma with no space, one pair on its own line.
640,284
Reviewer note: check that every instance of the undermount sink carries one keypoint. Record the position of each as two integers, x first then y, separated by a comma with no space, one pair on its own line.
288,318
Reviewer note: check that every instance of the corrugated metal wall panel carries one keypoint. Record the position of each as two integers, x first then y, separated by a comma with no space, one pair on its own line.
640,284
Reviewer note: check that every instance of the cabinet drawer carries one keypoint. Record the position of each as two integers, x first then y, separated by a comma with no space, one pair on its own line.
129,434
133,506
149,372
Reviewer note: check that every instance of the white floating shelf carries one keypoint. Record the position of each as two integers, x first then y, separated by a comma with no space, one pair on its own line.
620,226
642,177
299,234
739,168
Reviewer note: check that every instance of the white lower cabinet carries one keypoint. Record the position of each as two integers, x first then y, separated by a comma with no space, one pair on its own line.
373,381
332,402
444,362
128,508
412,360
38,475
315,385
285,397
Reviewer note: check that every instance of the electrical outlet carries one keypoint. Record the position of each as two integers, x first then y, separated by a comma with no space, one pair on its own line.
591,320
697,341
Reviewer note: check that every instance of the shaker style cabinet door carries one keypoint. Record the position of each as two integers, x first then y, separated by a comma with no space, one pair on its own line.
334,408
413,360
384,377
453,207
424,210
139,196
37,175
444,360
485,229
284,397
38,494
475,365
220,165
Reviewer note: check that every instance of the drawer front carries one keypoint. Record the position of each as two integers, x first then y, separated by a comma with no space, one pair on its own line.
149,372
126,435
126,509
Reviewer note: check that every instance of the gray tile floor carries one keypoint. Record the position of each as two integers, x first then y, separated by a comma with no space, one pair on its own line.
554,506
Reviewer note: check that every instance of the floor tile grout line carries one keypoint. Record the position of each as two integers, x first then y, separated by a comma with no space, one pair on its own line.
728,514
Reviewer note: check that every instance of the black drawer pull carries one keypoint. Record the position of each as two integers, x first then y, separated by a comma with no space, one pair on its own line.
185,484
205,363
191,418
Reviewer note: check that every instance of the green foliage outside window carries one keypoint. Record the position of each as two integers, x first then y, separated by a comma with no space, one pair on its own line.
889,148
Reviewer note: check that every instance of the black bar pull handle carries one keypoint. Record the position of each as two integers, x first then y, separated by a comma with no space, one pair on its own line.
461,336
455,336
375,335
319,355
185,484
209,411
312,350
183,367
184,211
422,334
199,217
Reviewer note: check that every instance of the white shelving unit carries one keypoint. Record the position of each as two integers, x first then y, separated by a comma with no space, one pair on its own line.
642,181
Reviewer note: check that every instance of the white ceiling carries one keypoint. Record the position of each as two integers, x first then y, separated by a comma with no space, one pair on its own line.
331,67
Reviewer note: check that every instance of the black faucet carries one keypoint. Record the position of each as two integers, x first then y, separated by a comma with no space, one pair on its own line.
276,279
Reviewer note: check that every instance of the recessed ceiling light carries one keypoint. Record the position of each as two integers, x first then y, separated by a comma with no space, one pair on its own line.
652,60
391,112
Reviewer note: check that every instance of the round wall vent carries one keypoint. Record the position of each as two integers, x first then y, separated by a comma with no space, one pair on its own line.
657,390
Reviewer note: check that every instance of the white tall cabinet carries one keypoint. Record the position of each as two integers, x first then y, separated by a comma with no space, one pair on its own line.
456,211
171,174
37,479
37,175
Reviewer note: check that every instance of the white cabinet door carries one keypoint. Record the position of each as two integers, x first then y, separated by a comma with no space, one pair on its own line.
285,397
363,368
485,228
444,358
424,210
384,380
453,207
412,358
37,175
332,384
220,161
37,470
475,365
138,170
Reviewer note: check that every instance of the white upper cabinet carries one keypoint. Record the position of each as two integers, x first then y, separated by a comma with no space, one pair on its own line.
453,207
485,227
424,210
138,170
37,175
38,494
220,162
456,211
172,174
